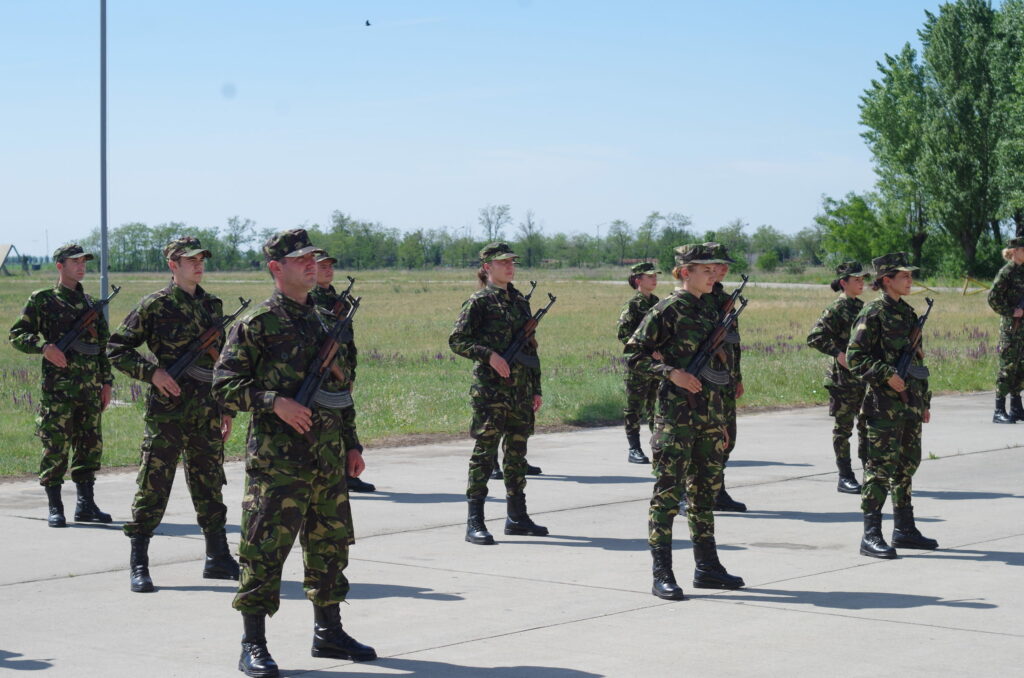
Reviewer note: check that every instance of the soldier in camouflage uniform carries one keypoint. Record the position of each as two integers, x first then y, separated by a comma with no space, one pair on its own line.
641,388
326,296
76,385
505,397
830,335
1007,299
296,457
880,333
690,441
718,298
182,417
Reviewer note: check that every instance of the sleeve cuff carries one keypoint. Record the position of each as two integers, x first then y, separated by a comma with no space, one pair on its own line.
264,401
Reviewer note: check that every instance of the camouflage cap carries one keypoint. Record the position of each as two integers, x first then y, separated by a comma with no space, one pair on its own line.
71,251
185,246
888,264
497,251
1015,242
696,254
643,268
326,257
851,269
291,243
720,252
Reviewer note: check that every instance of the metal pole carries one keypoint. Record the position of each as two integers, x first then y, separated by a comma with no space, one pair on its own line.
104,264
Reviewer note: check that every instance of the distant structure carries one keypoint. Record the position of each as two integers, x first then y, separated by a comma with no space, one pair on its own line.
5,252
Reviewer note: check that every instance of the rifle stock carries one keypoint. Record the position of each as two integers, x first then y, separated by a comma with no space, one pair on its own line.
84,322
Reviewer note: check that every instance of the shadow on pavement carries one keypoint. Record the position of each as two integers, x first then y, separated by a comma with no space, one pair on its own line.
231,588
813,517
597,480
292,590
851,600
1007,557
10,661
606,543
754,462
408,497
187,530
955,495
425,669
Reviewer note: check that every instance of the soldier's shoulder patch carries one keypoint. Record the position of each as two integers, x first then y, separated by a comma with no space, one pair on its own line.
663,304
860,326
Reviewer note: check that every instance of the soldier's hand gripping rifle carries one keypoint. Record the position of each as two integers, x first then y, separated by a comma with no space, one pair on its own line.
204,343
514,351
904,368
323,363
85,323
342,301
700,364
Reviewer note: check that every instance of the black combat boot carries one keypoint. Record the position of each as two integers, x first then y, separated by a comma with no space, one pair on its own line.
710,573
723,502
905,534
1000,416
873,543
476,530
847,480
532,470
518,521
256,660
1016,408
636,453
664,580
219,562
55,518
138,566
330,640
359,485
86,510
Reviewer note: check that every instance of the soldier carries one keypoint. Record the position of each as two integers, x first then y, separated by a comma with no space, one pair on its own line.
505,397
717,298
880,333
326,296
296,457
182,417
830,335
1007,299
690,441
76,385
641,388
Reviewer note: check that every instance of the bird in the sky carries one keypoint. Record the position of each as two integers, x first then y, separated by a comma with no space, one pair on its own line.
367,22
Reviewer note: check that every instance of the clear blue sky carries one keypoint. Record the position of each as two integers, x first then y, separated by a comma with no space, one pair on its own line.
581,110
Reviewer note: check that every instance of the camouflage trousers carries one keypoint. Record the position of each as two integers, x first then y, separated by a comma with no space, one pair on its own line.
729,401
1010,376
73,422
689,459
198,440
893,455
641,400
844,405
280,504
509,423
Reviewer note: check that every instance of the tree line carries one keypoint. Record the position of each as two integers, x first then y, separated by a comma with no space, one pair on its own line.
369,245
945,128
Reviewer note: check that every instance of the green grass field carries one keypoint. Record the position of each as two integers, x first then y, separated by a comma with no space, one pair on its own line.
410,383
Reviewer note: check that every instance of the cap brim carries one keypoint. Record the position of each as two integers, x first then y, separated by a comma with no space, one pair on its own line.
304,251
506,255
330,259
85,255
194,253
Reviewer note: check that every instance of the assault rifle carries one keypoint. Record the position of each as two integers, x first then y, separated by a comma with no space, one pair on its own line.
204,343
514,351
343,297
84,324
533,286
700,364
1016,321
323,362
730,303
903,367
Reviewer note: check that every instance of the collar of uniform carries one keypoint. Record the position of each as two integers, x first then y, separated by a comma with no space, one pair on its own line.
329,288
897,305
686,295
290,305
66,291
507,291
182,295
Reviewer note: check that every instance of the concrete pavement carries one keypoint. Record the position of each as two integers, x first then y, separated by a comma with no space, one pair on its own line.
577,603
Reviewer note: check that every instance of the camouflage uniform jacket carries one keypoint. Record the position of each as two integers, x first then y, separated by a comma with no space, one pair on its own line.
880,333
633,312
675,327
325,298
1007,291
266,356
487,324
718,299
167,321
47,317
831,335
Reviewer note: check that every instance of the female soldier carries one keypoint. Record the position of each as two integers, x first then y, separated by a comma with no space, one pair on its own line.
505,397
1007,299
689,439
830,335
880,333
641,388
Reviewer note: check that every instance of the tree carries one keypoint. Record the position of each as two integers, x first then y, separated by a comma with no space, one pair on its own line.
769,239
620,235
736,241
493,219
647,234
1008,76
239,233
531,240
674,232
